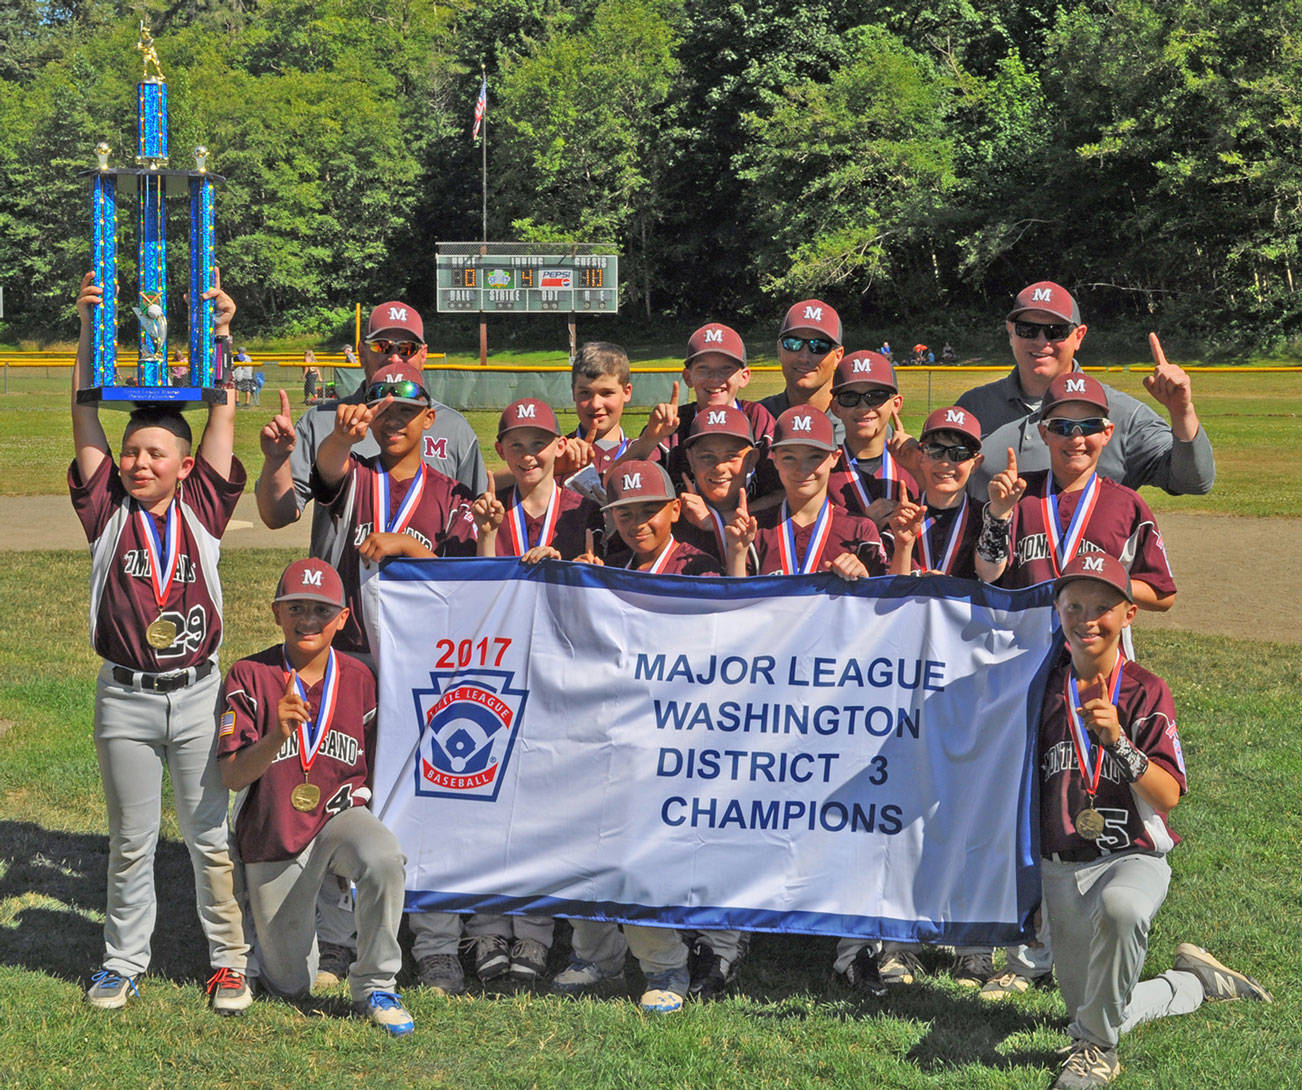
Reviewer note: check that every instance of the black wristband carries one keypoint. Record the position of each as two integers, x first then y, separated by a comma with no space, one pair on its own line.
992,544
1132,762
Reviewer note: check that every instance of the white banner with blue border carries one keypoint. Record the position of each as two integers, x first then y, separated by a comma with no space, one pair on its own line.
774,754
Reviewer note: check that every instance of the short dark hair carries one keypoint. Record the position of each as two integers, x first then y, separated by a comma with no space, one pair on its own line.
594,359
160,416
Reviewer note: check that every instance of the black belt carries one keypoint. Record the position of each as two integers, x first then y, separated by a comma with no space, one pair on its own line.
163,683
1076,855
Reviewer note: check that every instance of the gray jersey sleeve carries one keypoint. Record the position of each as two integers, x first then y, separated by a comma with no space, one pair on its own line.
1153,455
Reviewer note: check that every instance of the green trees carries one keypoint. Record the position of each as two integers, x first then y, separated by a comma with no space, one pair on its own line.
895,157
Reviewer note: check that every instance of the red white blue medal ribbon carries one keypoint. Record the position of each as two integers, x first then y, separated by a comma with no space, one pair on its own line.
163,554
890,476
1080,737
956,532
791,563
380,500
856,479
1063,546
518,526
313,733
662,560
717,519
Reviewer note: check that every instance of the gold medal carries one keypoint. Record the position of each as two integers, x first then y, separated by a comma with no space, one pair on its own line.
305,797
1090,823
160,633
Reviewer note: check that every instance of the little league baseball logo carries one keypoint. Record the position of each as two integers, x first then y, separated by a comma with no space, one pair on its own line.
468,723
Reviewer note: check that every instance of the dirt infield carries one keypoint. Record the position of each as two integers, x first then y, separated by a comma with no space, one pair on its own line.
1218,595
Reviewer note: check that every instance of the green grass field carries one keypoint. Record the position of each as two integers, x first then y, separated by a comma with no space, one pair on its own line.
1235,886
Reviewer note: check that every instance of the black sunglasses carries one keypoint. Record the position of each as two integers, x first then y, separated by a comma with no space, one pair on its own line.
848,399
404,390
820,346
404,349
944,452
1091,425
1054,331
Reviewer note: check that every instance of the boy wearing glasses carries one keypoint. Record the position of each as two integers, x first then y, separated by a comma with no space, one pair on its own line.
937,534
809,348
295,738
390,505
1034,526
868,480
1045,332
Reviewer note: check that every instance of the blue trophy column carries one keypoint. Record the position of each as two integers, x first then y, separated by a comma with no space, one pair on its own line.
104,220
202,261
152,237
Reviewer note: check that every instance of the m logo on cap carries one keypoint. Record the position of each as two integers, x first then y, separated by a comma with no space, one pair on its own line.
862,366
1075,386
525,412
632,482
802,423
1092,563
397,314
814,313
955,416
1042,295
716,417
311,578
714,336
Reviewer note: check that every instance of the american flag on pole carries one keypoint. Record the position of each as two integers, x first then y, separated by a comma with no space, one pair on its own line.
480,105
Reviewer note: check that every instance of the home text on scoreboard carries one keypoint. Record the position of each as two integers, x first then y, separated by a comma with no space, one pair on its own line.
519,278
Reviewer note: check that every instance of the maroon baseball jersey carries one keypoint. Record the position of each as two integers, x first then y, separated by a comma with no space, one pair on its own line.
847,533
856,483
440,519
682,559
603,456
943,551
1121,524
267,826
576,515
1147,716
122,599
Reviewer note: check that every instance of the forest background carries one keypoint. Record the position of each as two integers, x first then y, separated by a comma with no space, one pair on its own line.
906,161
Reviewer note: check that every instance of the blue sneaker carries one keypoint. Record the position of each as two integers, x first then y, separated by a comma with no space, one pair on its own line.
385,1009
109,990
664,991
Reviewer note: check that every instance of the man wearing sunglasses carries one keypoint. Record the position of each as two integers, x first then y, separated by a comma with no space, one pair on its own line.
1045,332
395,334
809,348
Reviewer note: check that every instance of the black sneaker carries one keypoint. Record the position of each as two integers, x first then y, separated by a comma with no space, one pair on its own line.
491,956
332,965
711,974
442,974
1088,1066
528,961
899,967
864,975
973,970
109,990
1218,981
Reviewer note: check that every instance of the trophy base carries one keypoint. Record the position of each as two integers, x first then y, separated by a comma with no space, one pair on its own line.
130,398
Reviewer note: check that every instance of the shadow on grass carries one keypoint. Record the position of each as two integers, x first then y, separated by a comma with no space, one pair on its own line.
66,939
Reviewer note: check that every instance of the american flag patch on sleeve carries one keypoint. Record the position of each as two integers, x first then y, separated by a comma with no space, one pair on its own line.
227,726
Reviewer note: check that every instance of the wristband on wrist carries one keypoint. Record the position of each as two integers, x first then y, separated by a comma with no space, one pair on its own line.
992,544
1132,762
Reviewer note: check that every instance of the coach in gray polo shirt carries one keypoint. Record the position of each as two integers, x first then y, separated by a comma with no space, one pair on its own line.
394,333
1045,331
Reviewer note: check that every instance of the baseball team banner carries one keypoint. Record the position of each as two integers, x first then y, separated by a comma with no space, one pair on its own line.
775,754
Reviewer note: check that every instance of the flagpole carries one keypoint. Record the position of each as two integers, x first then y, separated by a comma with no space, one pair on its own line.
483,173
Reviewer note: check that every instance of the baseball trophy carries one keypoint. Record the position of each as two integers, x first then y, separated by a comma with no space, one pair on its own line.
153,182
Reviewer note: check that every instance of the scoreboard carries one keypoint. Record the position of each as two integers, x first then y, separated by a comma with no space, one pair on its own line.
525,283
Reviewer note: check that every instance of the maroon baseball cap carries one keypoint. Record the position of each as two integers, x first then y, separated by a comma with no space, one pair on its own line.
805,425
528,412
1074,386
637,482
716,338
864,368
955,419
313,580
720,420
1049,297
390,319
1100,567
388,382
813,314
